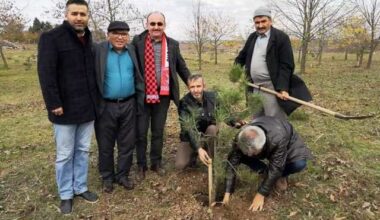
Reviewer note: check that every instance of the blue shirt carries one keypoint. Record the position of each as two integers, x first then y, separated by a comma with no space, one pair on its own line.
119,81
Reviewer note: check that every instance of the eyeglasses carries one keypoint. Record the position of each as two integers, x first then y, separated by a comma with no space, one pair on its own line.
120,34
159,24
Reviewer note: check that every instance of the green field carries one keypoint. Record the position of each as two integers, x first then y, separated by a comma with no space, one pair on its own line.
343,182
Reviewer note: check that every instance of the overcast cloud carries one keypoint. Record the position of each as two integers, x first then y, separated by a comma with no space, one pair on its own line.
177,12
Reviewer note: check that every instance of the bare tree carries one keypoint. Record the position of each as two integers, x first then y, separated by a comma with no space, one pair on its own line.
370,10
220,27
198,31
322,36
302,18
11,26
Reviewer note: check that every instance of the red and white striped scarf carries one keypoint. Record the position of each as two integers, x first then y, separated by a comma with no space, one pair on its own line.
152,95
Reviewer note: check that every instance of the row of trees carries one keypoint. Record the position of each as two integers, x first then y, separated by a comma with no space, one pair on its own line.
353,24
323,19
212,28
11,26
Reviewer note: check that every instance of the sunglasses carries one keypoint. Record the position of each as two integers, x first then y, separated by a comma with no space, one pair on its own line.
159,24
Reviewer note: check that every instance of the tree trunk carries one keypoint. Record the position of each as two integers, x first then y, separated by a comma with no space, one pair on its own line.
303,56
199,59
216,53
299,55
371,50
3,57
346,54
359,58
320,56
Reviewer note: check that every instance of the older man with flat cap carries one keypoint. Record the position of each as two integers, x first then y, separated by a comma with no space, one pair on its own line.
268,59
120,85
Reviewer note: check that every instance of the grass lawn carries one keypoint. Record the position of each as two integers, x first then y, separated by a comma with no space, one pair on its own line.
343,182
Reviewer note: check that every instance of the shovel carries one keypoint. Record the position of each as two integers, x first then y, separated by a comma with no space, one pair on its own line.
301,102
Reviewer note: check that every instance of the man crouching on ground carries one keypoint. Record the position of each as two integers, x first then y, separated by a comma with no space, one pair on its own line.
272,139
197,106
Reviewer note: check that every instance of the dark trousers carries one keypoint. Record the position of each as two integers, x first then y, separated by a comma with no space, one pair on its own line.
117,124
260,167
155,116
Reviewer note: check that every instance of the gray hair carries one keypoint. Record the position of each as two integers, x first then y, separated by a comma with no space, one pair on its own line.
155,12
251,137
193,77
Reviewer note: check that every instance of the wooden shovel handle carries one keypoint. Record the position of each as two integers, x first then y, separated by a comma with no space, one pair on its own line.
301,102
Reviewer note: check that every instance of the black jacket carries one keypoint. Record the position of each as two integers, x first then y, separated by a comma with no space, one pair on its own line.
176,63
280,63
283,145
203,115
101,53
66,74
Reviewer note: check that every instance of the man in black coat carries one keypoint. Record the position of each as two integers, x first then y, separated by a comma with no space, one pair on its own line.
268,59
66,74
159,60
197,118
272,139
120,84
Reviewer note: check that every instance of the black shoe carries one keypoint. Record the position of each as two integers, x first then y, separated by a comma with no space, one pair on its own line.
108,186
66,206
158,169
140,174
89,196
127,183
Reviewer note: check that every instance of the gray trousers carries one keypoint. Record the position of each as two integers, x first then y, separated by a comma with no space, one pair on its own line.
270,105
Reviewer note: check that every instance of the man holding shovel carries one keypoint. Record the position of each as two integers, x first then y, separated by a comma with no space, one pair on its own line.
268,59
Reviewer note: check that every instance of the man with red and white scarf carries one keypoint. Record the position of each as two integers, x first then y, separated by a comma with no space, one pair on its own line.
160,61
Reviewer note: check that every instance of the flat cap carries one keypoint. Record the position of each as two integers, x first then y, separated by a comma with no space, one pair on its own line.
118,26
262,11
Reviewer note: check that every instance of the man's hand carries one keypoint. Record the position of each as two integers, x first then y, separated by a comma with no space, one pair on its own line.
57,111
258,203
226,198
284,95
239,124
203,156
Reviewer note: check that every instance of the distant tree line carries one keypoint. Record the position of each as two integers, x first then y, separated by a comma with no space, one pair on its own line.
316,25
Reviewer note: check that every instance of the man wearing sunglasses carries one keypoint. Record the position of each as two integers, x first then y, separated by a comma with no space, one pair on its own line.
120,83
160,61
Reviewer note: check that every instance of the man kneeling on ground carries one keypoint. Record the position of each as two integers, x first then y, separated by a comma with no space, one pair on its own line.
272,139
196,106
